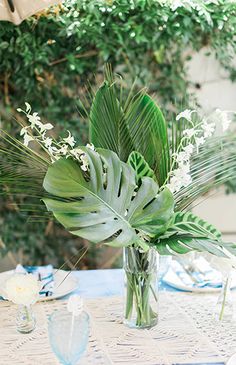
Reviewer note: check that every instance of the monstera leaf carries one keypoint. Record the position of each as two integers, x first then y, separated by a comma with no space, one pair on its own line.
105,204
189,232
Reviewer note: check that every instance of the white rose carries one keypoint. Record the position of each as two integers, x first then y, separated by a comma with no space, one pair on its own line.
22,289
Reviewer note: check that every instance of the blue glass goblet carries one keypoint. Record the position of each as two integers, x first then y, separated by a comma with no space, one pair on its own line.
68,335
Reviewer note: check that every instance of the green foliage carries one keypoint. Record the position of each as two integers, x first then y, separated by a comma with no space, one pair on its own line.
190,223
140,166
110,211
47,61
189,232
134,124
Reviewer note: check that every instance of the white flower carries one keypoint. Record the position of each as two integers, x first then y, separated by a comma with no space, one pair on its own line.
189,149
45,127
22,289
189,132
180,177
75,305
63,150
176,4
47,142
91,146
208,129
53,150
27,139
69,140
199,141
23,131
34,119
85,162
223,117
182,157
77,152
186,114
174,185
28,107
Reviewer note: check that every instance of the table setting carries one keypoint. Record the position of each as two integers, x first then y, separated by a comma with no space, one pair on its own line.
133,187
187,330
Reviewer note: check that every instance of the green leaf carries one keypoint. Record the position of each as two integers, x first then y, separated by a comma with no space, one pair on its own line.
111,210
140,166
182,244
187,222
148,132
189,232
136,124
106,122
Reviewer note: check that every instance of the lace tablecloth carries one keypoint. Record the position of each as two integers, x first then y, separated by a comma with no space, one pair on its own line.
186,334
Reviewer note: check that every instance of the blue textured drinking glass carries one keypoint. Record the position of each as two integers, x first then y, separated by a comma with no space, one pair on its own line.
68,335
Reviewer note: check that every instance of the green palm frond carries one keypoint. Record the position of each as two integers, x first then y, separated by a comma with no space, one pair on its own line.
214,165
134,124
22,171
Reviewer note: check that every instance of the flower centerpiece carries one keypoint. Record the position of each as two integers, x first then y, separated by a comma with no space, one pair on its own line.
132,186
23,290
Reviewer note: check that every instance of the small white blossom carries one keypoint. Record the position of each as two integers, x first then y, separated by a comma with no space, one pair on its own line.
28,107
45,127
69,140
189,132
63,150
208,129
27,139
23,131
75,305
224,119
85,163
182,157
199,142
47,142
91,146
34,119
189,149
186,114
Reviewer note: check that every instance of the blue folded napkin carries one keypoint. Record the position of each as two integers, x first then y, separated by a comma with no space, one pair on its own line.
43,273
203,276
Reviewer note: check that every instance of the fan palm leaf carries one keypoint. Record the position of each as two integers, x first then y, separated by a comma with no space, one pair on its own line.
134,124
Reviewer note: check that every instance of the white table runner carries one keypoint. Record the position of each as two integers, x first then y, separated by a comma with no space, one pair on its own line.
186,333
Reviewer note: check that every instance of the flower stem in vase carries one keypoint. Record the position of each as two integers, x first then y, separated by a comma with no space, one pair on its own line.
25,319
224,307
141,288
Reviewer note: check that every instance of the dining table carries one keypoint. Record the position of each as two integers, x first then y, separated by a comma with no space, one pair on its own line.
186,333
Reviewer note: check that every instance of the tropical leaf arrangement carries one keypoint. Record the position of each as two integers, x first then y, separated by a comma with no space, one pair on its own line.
136,181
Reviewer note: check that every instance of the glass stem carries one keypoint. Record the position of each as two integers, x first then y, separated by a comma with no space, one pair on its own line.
225,292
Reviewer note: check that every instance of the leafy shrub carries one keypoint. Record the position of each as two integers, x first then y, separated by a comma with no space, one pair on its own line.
49,59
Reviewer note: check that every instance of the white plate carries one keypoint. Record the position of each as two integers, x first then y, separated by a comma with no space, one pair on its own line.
63,284
174,281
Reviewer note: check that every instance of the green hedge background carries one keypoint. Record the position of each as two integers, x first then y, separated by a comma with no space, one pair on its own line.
51,58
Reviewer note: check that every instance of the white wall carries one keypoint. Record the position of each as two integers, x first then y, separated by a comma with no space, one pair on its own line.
216,92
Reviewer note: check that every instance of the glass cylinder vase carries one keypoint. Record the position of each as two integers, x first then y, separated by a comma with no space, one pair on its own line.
224,307
141,306
25,319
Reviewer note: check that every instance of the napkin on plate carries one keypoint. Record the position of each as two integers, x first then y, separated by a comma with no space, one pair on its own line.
202,276
44,275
